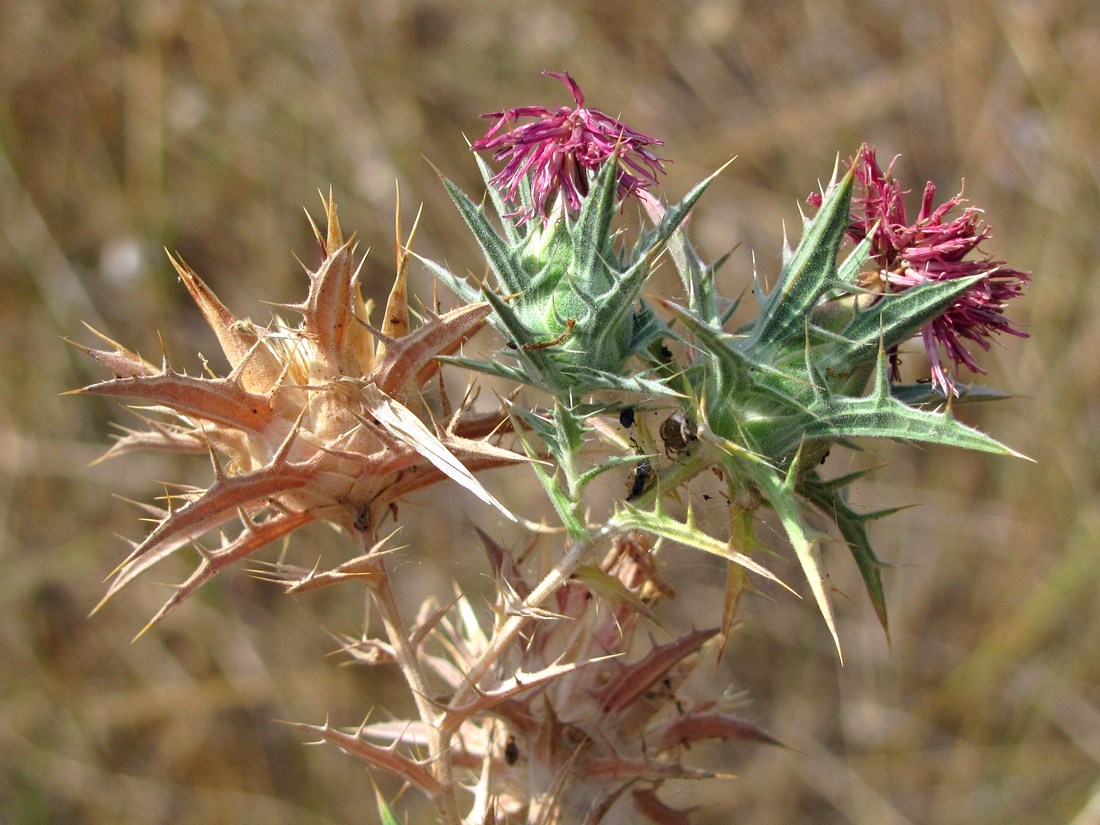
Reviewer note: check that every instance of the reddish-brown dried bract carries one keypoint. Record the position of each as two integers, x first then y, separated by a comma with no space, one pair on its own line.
312,422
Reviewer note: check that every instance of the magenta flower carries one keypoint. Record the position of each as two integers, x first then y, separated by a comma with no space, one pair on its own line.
561,146
934,248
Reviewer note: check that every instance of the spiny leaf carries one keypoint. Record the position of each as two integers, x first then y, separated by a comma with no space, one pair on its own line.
648,329
614,314
611,589
459,286
570,428
386,759
808,274
489,368
558,497
893,319
852,526
518,683
120,361
384,812
251,539
731,367
401,365
881,415
636,678
511,231
499,256
329,311
259,368
925,395
697,727
586,379
742,536
226,497
219,400
403,424
539,365
781,497
612,463
688,533
853,264
591,232
696,277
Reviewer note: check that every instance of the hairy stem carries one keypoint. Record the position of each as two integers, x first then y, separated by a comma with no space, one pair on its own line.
405,656
576,553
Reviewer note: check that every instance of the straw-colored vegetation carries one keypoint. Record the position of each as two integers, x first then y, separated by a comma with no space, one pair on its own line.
205,127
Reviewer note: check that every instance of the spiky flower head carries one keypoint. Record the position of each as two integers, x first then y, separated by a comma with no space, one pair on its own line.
565,727
811,372
934,247
558,151
311,423
569,297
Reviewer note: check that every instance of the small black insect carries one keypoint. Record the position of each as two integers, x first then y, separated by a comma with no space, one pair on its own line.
511,751
626,417
642,476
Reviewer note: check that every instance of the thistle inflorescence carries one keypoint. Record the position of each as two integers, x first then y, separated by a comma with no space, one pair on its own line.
562,700
934,247
555,153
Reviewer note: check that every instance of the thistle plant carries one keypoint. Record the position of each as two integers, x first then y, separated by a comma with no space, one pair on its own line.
562,700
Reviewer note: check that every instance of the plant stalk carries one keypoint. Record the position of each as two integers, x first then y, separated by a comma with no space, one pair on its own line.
576,554
406,659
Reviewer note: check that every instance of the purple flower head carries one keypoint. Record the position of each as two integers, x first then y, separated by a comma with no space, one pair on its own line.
934,248
561,146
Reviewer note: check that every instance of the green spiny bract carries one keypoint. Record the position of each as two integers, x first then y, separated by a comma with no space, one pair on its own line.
811,372
770,400
569,301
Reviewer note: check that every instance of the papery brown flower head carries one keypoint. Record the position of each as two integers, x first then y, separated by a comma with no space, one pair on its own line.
311,422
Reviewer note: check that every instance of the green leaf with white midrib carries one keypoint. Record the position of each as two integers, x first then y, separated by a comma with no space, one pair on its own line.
880,415
893,320
611,330
848,272
808,274
696,278
591,231
827,497
539,365
587,379
780,494
511,231
612,463
559,499
459,286
497,252
925,395
488,367
658,522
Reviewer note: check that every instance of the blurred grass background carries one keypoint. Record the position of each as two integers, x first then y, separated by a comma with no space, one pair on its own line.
204,127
